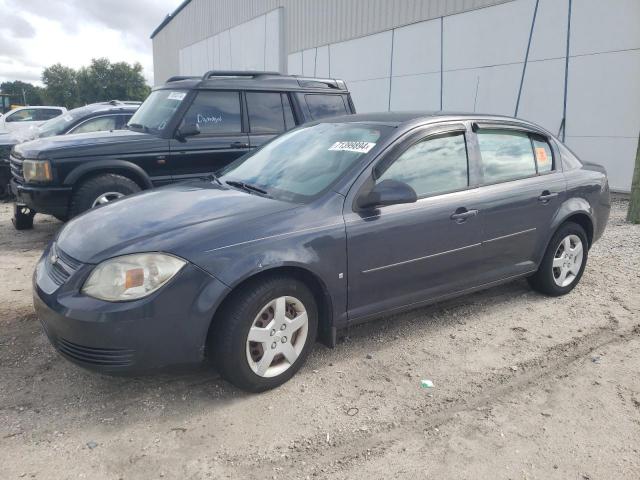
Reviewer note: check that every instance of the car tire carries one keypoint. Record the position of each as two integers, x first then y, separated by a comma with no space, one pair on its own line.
109,185
259,309
563,263
22,217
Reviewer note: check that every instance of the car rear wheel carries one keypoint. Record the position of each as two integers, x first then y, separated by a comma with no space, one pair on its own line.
563,262
264,333
100,190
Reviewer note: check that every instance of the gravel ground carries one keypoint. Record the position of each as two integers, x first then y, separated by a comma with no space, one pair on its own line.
525,387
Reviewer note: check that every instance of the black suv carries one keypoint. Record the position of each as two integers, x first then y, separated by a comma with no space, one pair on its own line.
190,127
111,115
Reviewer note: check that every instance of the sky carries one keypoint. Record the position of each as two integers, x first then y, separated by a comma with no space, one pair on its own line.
37,33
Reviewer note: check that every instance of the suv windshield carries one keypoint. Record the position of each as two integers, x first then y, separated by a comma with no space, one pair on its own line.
302,164
156,111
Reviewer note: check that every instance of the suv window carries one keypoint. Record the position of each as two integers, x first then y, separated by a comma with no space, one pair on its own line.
267,112
432,166
48,113
26,115
215,112
97,124
506,155
321,106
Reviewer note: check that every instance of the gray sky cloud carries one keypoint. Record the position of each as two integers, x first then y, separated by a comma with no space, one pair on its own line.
37,33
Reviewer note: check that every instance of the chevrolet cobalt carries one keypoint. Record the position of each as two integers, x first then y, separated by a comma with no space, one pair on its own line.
328,225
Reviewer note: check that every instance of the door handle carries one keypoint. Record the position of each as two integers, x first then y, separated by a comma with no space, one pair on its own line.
239,145
461,214
546,196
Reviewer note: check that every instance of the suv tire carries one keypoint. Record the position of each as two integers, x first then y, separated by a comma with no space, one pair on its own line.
563,263
238,359
89,191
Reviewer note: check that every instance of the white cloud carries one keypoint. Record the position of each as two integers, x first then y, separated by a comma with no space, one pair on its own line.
37,33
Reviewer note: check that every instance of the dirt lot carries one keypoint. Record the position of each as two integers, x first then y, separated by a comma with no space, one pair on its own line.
525,387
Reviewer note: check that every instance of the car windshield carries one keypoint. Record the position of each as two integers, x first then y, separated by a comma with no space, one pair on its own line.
60,124
156,111
302,164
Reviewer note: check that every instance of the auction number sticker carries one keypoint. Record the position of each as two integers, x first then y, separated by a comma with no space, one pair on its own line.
177,95
358,147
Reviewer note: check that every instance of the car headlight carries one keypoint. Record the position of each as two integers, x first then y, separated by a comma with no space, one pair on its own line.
37,171
130,277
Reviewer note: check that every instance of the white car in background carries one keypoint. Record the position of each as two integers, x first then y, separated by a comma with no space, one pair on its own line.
23,118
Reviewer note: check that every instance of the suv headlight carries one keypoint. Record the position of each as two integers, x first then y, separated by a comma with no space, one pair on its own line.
130,277
36,171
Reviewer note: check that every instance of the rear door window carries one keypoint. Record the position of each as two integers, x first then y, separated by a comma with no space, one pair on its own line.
48,113
266,112
215,113
321,106
506,155
98,124
543,154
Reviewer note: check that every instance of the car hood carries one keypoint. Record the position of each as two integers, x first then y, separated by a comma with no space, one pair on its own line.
79,144
184,219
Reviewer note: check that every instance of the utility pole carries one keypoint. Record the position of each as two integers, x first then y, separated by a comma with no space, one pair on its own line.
633,214
24,97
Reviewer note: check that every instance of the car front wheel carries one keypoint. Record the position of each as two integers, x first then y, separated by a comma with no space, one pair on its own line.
264,333
563,262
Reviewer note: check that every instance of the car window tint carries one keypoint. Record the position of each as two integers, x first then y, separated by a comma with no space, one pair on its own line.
289,120
48,113
97,124
215,112
543,154
26,115
265,112
321,106
432,166
506,155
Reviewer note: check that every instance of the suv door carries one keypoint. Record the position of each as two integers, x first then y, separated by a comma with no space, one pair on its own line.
269,114
399,255
522,189
222,139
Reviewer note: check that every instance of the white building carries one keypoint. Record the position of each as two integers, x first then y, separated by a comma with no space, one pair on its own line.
572,66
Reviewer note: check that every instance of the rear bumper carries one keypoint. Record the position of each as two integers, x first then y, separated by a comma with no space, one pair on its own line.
169,328
41,199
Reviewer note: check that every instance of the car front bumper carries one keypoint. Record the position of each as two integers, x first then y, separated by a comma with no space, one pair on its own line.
43,199
166,329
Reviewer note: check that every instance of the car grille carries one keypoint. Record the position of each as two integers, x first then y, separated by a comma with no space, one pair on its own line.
15,163
63,268
106,357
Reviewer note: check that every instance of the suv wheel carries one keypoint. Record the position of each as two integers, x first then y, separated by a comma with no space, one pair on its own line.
101,190
563,262
265,333
22,217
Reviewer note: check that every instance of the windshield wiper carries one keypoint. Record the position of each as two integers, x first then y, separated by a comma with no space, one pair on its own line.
247,187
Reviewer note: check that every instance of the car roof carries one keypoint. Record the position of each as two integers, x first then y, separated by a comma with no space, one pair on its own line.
255,80
104,107
399,119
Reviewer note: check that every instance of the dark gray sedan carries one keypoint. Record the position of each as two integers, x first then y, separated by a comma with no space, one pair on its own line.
326,226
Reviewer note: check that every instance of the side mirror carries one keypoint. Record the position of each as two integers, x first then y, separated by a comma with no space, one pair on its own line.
387,192
188,130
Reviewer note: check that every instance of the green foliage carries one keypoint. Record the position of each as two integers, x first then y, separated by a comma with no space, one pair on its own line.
65,86
21,92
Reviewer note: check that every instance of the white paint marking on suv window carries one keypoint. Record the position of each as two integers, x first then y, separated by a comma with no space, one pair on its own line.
358,147
176,96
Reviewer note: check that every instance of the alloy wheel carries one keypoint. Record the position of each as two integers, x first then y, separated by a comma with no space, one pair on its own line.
106,198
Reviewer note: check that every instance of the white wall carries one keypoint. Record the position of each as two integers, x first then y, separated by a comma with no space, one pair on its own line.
252,45
482,53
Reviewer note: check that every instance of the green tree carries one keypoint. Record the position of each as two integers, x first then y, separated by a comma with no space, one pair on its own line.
633,214
61,85
23,92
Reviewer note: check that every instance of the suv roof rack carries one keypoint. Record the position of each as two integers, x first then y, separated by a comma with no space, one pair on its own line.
237,73
177,78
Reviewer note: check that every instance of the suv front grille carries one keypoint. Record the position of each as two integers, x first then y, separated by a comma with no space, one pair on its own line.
63,267
15,163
